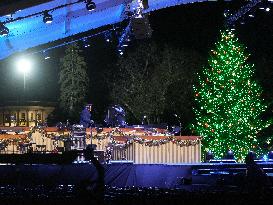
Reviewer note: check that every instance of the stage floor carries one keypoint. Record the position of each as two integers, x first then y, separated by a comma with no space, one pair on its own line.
124,174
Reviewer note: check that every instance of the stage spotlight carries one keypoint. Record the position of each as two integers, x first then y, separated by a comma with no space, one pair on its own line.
267,9
270,155
230,155
90,5
47,17
3,30
209,156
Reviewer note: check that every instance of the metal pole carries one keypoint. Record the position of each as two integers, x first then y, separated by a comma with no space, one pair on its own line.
180,127
91,134
24,81
180,124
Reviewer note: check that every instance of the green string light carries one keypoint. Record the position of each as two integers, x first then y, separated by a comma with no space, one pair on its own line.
228,104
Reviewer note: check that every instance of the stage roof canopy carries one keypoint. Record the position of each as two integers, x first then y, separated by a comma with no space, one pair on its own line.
24,19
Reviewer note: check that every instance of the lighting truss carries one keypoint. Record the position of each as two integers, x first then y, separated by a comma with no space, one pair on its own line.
40,13
124,39
82,39
127,31
231,19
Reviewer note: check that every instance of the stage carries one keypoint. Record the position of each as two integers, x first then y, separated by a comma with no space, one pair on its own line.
138,144
126,174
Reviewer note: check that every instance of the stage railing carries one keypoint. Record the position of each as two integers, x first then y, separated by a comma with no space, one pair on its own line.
126,144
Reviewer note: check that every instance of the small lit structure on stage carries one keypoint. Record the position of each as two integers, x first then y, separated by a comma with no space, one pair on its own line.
229,158
78,137
115,116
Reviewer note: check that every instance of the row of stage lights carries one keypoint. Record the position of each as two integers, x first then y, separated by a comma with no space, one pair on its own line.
251,15
263,7
47,17
107,34
123,40
230,156
90,6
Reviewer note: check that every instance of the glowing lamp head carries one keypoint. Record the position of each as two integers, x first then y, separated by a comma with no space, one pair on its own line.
24,65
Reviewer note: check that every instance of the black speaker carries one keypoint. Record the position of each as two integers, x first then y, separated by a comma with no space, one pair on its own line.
141,27
145,4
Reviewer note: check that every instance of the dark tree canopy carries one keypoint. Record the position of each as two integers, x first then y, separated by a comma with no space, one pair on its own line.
156,82
73,82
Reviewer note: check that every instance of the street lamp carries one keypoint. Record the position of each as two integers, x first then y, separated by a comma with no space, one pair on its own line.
24,66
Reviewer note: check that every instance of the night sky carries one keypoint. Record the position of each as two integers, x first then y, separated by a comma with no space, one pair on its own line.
196,26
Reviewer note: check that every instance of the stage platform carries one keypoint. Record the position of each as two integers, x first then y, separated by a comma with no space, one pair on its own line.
126,174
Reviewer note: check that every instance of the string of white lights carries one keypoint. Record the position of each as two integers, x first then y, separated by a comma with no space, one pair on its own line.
82,39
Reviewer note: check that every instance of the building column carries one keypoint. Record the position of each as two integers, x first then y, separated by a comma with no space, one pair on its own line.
9,118
18,118
27,118
42,116
35,112
3,118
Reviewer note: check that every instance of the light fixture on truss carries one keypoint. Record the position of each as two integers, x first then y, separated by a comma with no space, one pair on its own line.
247,9
90,5
138,25
124,39
3,29
47,18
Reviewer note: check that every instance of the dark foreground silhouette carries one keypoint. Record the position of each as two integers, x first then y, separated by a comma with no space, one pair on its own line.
137,196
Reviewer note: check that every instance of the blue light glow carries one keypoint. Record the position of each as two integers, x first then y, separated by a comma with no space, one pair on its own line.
30,32
265,158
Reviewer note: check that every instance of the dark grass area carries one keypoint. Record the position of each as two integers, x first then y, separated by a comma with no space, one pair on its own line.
131,196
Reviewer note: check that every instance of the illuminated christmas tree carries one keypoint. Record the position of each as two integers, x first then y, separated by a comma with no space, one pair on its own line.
228,104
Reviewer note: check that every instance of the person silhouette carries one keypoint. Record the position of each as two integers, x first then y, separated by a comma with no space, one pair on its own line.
257,182
85,118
